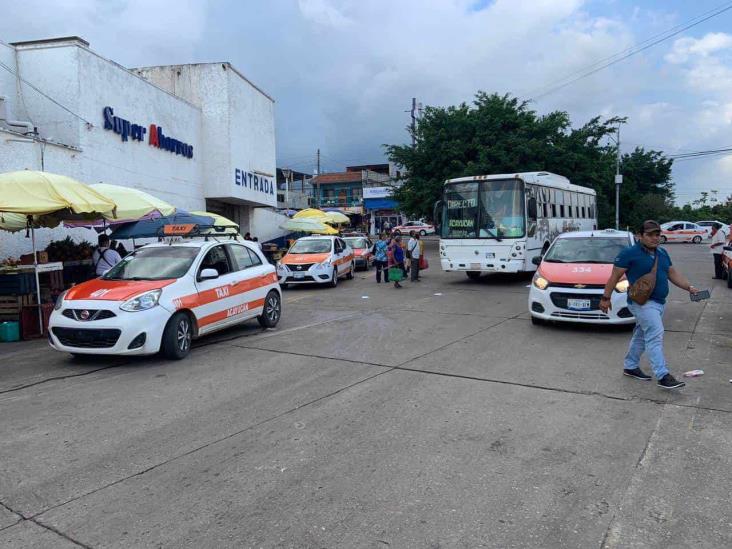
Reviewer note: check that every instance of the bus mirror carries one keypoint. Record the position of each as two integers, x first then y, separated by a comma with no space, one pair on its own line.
437,211
532,213
536,260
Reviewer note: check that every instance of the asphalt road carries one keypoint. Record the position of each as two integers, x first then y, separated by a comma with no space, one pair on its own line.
433,416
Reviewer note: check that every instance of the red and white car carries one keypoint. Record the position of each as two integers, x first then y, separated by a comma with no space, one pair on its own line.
316,260
682,231
418,226
571,278
163,295
362,256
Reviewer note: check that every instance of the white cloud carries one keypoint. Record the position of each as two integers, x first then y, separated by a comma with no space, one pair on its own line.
686,48
323,13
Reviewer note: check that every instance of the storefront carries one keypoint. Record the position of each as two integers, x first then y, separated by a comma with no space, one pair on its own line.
200,137
381,208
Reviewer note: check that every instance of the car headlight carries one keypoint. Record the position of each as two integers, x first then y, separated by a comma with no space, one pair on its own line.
60,300
142,302
541,282
622,286
325,264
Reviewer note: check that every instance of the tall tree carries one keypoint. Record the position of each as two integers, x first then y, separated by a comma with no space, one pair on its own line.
501,134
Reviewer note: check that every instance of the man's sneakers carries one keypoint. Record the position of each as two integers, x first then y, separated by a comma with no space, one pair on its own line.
667,382
637,373
670,382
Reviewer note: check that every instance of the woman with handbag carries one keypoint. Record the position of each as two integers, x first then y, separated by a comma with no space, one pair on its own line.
396,269
649,269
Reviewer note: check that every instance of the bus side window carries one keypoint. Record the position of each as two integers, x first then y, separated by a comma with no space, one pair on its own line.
561,210
554,210
545,209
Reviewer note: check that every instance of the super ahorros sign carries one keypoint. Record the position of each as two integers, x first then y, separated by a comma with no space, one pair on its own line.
155,136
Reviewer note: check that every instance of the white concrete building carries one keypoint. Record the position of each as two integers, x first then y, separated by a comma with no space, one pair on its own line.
198,136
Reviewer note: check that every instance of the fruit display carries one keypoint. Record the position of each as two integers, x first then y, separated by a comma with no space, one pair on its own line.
68,250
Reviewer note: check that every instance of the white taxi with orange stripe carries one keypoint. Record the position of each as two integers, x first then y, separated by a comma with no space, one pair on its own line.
682,231
164,295
316,260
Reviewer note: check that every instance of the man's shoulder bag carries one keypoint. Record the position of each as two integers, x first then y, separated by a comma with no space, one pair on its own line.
640,291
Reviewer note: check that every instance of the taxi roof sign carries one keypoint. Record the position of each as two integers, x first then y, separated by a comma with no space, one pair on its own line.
182,229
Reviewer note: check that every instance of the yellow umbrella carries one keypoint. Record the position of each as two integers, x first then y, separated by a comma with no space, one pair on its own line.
325,217
133,204
308,225
337,218
222,225
41,193
13,221
309,212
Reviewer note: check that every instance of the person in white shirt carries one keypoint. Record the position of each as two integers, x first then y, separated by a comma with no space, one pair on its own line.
719,239
104,257
414,254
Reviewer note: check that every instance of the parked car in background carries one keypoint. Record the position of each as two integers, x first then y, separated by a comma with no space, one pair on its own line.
709,224
571,278
417,226
164,295
682,231
727,264
316,260
362,256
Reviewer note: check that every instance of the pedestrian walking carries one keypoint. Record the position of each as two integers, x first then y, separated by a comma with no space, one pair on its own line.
719,239
396,271
649,269
381,259
104,257
414,254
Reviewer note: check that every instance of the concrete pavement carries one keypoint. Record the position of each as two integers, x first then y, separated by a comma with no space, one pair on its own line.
375,417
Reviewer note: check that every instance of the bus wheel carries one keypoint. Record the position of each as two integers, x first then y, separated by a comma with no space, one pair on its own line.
473,275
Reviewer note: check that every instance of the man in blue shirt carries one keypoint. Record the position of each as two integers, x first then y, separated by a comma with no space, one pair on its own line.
634,262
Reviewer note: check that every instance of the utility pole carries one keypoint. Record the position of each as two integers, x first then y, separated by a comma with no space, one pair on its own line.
414,122
317,186
618,181
288,175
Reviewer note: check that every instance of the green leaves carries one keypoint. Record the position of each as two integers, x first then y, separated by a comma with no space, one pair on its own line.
501,134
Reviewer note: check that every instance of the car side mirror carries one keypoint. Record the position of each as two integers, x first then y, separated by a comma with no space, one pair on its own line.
209,274
536,260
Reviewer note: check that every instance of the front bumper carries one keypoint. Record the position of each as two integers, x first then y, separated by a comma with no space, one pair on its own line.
312,276
494,266
94,337
542,306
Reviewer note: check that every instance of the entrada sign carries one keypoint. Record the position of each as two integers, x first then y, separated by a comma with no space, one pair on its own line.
253,181
126,131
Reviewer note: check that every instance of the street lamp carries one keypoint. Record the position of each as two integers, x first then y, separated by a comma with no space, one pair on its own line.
288,174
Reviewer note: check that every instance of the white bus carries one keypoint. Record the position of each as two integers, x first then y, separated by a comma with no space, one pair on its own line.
498,223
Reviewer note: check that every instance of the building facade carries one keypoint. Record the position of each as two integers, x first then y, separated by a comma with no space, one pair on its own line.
200,137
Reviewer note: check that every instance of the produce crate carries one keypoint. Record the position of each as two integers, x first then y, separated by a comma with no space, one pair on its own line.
29,320
27,259
17,283
11,305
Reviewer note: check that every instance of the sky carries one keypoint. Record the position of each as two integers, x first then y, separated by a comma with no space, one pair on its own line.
343,72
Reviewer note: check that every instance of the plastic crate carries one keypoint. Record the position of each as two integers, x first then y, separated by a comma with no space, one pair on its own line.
29,320
17,283
9,331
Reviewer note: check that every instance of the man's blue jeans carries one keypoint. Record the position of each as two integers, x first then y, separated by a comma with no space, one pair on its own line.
648,337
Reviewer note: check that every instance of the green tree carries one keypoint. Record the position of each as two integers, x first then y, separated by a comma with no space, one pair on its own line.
500,134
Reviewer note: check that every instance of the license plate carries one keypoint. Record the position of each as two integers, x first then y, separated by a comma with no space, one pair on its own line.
475,265
299,275
579,304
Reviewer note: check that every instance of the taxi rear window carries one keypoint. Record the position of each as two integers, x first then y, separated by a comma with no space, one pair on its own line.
157,263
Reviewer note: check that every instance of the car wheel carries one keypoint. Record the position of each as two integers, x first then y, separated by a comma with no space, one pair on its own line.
422,233
697,239
272,310
537,321
334,280
663,239
177,337
349,276
473,275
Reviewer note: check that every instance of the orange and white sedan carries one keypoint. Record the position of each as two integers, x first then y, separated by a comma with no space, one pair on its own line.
316,260
571,278
162,296
682,231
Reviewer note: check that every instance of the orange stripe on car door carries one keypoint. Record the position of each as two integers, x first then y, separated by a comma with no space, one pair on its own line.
222,292
230,312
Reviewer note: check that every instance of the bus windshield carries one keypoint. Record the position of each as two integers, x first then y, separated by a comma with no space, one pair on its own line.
484,209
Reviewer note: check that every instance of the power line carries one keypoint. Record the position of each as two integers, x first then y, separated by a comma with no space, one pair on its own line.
697,154
11,71
633,51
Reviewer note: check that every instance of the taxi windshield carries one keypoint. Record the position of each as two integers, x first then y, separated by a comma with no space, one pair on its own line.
358,243
585,250
321,246
157,263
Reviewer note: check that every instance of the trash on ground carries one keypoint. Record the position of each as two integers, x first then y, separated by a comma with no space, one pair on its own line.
364,297
694,373
439,293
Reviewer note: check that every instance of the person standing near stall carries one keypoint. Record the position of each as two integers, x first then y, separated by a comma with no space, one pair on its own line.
719,239
104,257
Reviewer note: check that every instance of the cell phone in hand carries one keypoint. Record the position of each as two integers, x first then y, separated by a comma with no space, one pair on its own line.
698,296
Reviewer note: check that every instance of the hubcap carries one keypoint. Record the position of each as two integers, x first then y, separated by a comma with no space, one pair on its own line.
184,335
273,309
